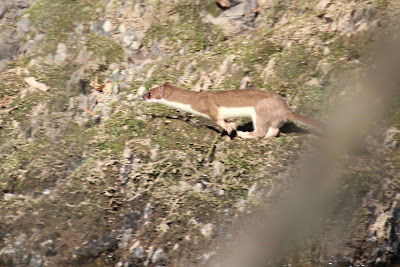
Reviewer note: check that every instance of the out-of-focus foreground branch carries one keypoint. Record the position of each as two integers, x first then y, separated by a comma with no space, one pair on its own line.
302,209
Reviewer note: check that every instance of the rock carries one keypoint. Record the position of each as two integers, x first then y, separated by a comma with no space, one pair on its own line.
114,66
8,250
163,227
128,37
7,50
345,25
222,231
358,15
207,256
150,253
3,9
47,244
135,45
147,211
193,221
46,192
234,19
21,239
323,4
245,83
241,205
370,13
199,187
9,196
101,27
126,236
130,97
127,153
121,28
207,230
158,255
326,51
134,246
217,168
313,82
61,53
36,260
84,101
363,26
269,69
237,11
115,88
139,252
23,25
390,141
71,103
25,48
252,191
3,63
141,90
107,26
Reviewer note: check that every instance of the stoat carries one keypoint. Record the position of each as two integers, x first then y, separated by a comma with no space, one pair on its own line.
267,110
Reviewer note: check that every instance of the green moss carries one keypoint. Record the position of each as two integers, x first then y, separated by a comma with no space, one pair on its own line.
116,131
164,71
252,52
104,47
355,46
259,50
382,4
21,62
292,63
56,76
184,25
212,8
65,16
23,107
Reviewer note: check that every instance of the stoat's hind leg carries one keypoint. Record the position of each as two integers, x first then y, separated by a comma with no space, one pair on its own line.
260,128
272,132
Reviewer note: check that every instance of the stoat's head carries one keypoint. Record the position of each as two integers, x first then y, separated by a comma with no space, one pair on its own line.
155,94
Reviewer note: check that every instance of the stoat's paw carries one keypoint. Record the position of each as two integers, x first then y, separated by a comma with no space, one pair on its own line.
230,126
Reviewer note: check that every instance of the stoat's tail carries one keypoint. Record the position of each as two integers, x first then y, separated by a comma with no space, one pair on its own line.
305,120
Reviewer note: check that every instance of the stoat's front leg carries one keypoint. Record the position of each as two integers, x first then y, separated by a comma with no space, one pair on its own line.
227,126
230,126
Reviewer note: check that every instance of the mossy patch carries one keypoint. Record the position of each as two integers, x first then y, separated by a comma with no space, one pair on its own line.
55,76
183,24
355,46
103,47
65,16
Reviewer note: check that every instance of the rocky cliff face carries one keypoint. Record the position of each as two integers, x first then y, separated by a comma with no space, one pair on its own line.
90,176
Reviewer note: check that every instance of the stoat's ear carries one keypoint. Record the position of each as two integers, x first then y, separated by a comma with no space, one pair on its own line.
162,92
169,83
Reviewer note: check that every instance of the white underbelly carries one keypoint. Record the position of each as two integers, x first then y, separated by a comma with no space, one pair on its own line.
236,112
184,107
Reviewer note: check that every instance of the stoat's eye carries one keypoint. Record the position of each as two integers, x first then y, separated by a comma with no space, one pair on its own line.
149,94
